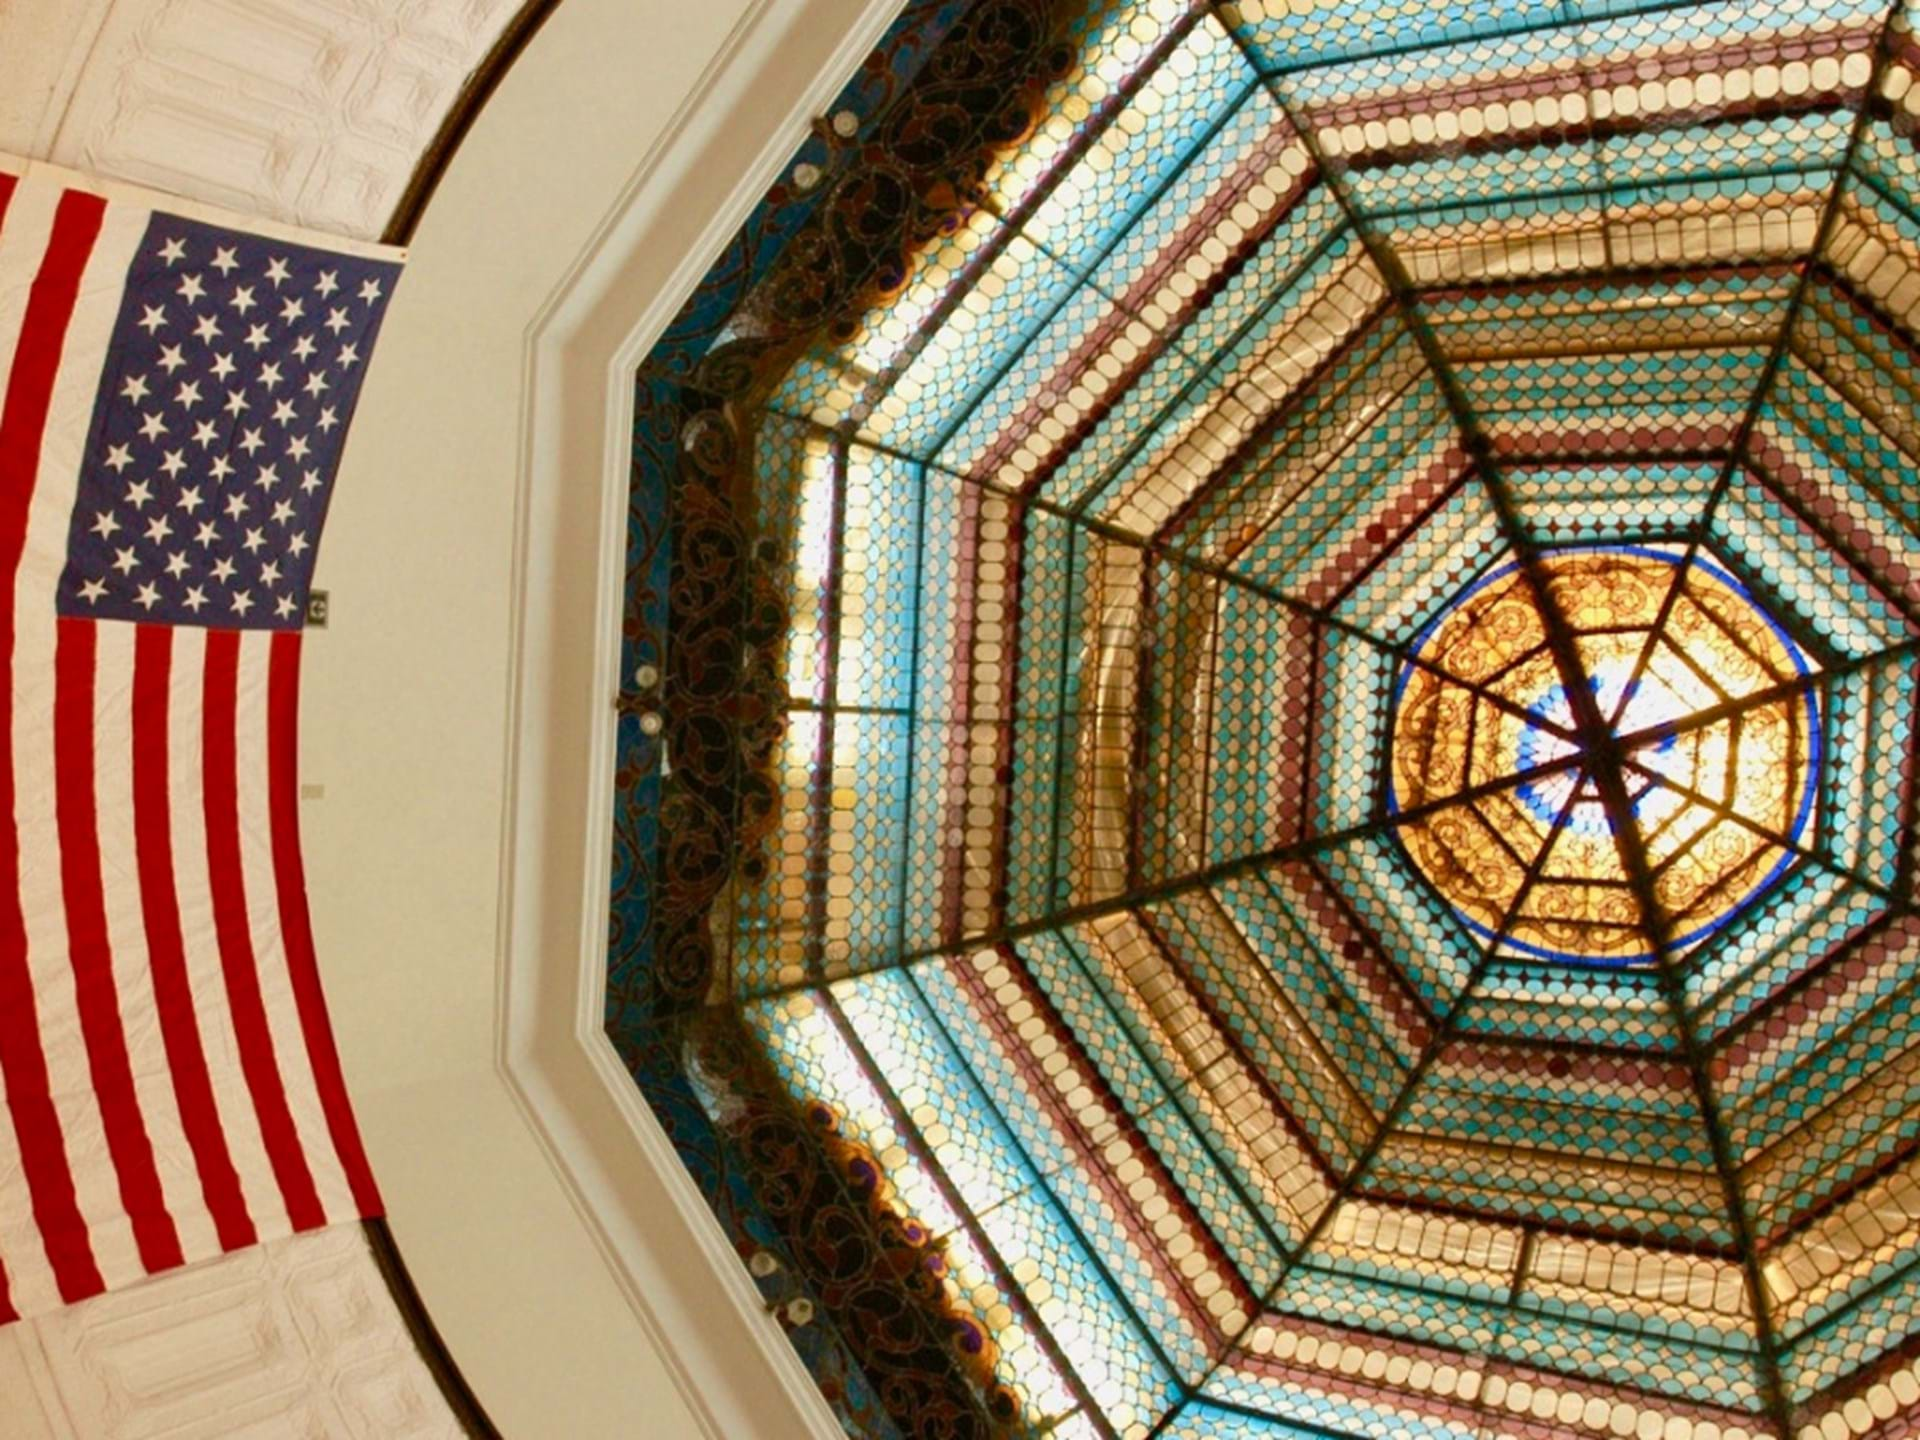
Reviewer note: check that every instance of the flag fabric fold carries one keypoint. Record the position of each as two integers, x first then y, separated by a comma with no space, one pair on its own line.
175,391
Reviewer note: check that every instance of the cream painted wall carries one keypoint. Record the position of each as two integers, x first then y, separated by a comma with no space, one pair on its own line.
456,831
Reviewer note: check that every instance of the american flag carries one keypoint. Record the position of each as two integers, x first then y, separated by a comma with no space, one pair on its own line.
174,396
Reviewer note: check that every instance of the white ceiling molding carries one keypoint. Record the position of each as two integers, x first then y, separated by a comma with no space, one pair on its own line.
582,358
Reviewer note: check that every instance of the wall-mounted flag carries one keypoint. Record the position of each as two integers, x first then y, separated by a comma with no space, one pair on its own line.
175,392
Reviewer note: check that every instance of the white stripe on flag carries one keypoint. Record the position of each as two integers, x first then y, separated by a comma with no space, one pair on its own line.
204,974
269,945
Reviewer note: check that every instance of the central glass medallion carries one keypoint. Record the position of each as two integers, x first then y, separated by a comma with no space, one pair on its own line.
1684,774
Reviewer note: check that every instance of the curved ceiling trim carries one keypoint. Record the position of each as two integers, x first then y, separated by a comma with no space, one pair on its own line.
681,1276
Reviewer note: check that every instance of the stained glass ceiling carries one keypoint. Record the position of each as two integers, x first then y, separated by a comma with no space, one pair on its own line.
1686,746
1285,800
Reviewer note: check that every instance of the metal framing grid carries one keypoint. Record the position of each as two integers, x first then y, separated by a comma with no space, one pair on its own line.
1599,757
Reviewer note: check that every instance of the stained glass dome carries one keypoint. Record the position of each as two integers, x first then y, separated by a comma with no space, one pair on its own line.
1601,712
1281,803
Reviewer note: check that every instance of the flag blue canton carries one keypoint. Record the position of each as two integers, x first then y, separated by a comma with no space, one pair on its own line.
223,406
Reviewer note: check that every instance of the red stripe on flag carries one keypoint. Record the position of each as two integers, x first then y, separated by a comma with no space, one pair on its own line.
23,1066
7,1313
90,948
296,925
221,792
166,949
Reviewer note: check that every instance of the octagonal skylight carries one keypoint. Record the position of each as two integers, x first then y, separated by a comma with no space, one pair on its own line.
1291,640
